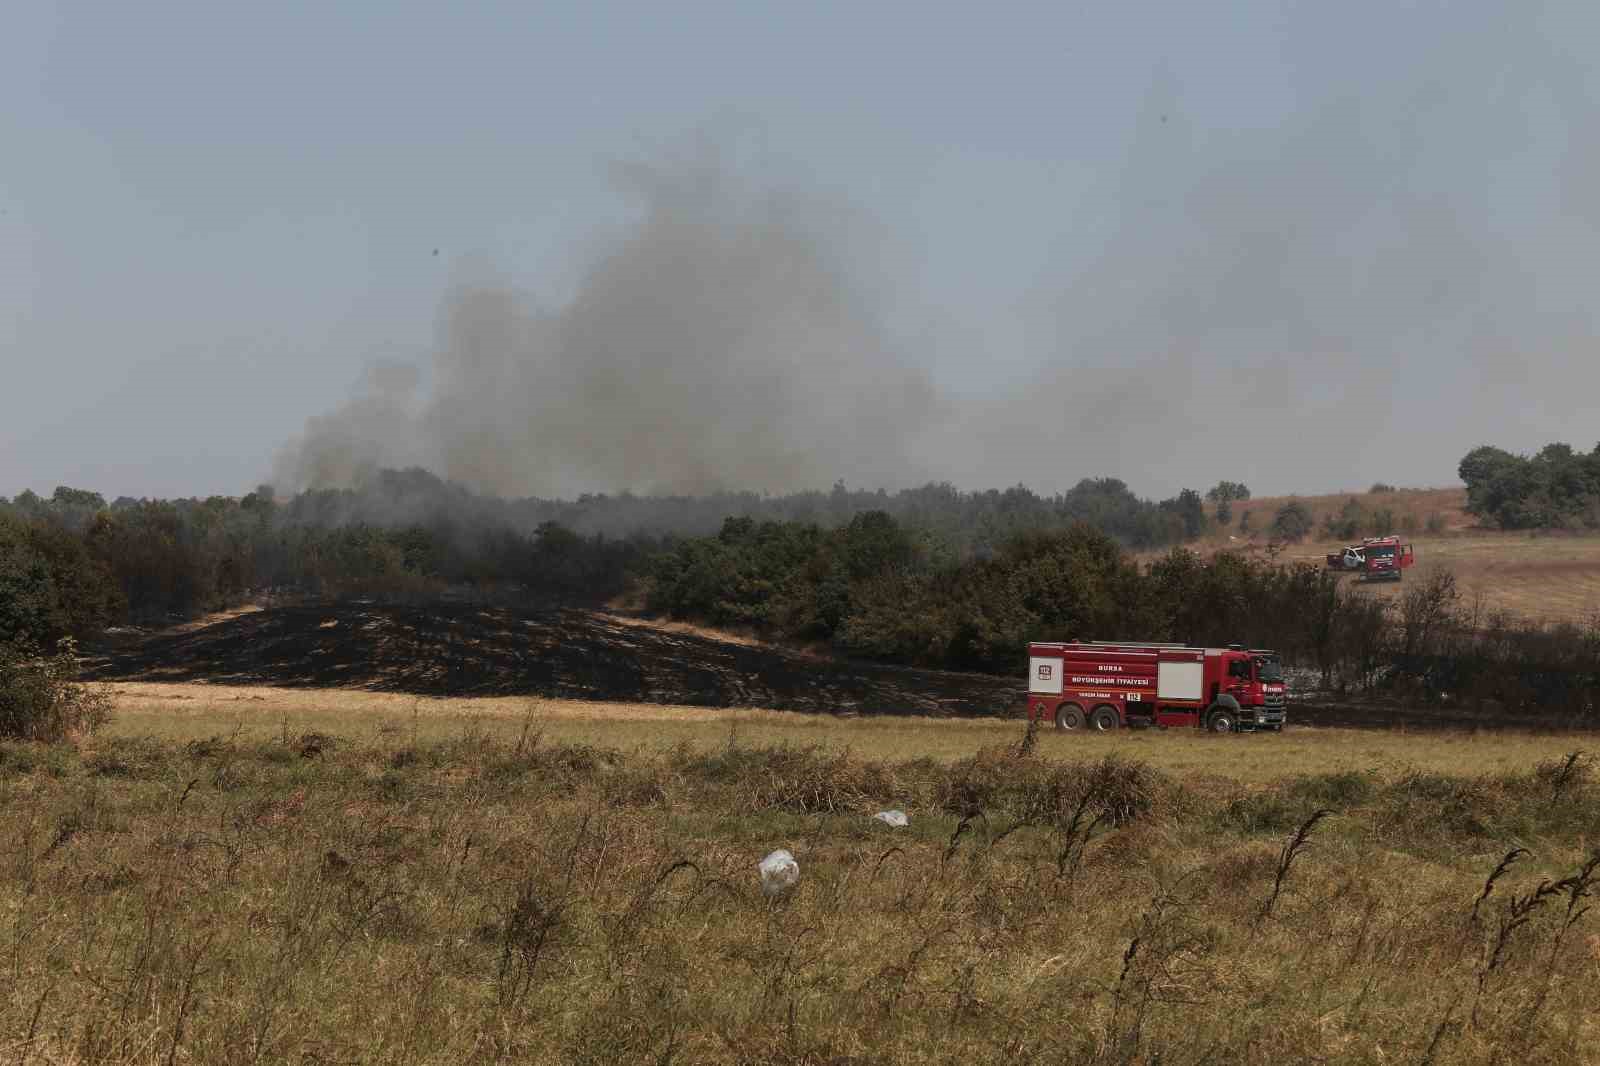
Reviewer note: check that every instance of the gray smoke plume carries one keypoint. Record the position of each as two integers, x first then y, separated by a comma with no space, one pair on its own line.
1396,269
721,343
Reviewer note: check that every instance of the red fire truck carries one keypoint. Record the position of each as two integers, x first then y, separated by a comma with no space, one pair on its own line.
1103,685
1375,559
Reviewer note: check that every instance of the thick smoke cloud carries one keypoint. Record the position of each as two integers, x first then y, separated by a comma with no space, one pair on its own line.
1399,269
722,343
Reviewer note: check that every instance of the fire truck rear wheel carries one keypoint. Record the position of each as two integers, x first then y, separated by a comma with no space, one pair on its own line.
1105,719
1069,717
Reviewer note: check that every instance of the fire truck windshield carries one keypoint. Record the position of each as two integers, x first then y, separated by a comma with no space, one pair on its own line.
1269,670
1386,552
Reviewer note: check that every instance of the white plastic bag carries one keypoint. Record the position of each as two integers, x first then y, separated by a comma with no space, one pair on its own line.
897,819
779,873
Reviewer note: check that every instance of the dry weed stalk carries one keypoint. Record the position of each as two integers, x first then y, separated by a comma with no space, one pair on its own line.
962,828
1518,912
531,921
1075,836
1028,742
1562,777
1440,1031
1297,844
1166,962
1576,888
1498,872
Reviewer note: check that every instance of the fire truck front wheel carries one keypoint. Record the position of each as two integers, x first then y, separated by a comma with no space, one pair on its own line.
1105,719
1069,717
1220,722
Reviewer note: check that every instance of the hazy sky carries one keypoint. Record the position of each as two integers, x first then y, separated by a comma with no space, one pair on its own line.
1308,246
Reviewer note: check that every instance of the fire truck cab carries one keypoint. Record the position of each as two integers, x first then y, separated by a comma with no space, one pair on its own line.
1100,685
1375,559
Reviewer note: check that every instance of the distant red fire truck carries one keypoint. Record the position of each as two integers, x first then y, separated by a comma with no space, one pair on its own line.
1103,685
1375,559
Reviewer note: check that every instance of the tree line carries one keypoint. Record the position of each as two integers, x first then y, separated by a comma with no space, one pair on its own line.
71,563
974,521
1556,488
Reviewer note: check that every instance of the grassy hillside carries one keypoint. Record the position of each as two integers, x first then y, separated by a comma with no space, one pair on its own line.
1411,507
1554,577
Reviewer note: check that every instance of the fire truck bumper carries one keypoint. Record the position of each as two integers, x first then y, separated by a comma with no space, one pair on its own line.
1262,718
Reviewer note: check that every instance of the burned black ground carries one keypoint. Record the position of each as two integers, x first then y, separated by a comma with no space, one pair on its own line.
570,653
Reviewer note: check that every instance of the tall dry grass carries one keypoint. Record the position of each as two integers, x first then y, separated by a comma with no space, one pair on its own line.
487,898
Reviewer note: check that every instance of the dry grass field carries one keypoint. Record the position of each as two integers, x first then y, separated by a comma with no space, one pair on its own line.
183,713
248,875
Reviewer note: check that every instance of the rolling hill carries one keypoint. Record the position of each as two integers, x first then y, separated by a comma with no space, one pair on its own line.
1540,575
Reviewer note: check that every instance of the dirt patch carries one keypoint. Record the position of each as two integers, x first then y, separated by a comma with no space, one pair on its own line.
559,653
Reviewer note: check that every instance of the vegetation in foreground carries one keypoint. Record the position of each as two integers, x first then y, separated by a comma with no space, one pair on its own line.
479,899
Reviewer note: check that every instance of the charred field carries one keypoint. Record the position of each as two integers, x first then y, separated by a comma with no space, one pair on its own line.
557,652
445,651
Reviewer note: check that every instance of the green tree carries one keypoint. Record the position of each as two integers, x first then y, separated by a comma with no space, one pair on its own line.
1291,523
1190,511
1348,523
1228,491
78,498
29,608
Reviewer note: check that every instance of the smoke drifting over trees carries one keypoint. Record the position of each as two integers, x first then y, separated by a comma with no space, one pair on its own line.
1349,291
719,344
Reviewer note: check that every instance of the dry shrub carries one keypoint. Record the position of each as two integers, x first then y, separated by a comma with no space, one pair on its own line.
1564,777
638,786
1129,848
1555,798
1263,811
1282,807
1237,872
805,781
134,758
799,779
564,763
1118,790
1461,808
41,698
